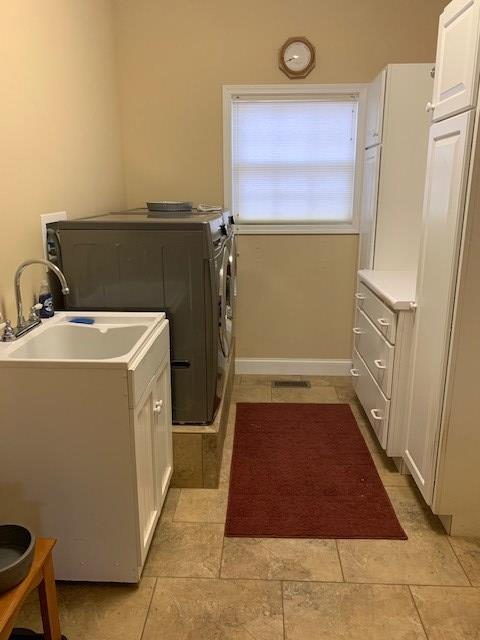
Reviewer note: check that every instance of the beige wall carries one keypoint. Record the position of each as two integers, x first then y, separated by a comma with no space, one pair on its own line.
59,123
287,288
174,58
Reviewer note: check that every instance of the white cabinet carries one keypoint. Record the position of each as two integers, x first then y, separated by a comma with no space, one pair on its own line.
163,431
145,446
153,453
371,173
377,352
456,72
375,102
381,357
394,168
447,175
379,313
99,454
374,402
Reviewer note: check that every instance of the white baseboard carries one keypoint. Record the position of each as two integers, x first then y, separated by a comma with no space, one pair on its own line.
291,366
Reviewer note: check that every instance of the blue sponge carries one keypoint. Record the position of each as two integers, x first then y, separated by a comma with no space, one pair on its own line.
82,320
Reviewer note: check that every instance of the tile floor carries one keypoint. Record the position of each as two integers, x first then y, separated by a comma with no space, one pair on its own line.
198,585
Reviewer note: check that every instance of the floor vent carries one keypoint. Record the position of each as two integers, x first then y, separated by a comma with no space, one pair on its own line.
289,384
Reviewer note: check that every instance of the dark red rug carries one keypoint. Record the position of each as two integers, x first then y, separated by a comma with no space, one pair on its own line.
304,471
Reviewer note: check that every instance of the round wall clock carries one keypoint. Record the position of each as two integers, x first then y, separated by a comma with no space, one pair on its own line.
297,57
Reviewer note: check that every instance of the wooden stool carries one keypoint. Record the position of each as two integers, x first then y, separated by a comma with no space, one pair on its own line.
40,575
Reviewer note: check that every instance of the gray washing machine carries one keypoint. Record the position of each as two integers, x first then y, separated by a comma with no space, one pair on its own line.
183,264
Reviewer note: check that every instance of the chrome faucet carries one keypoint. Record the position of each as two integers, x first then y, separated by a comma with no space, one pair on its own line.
23,326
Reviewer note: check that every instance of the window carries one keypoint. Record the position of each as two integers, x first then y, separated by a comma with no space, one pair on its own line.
291,157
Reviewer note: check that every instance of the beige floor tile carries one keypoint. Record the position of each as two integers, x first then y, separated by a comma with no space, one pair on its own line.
342,382
202,505
185,549
412,511
388,471
170,504
250,393
371,440
449,613
314,394
359,413
231,415
426,558
227,445
315,611
281,559
215,610
265,380
422,559
95,611
346,394
224,477
468,552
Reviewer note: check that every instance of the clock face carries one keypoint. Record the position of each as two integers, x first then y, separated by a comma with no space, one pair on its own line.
297,56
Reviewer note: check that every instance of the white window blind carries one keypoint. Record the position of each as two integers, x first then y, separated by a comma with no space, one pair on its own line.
293,160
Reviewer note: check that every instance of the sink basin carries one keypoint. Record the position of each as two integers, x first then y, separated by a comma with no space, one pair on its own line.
113,336
80,342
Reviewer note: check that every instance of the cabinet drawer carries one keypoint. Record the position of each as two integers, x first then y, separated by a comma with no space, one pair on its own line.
145,365
376,405
382,316
377,353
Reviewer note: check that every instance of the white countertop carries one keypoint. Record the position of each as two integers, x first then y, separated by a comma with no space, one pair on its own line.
395,288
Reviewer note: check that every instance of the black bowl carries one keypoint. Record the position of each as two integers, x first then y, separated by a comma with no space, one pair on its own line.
17,548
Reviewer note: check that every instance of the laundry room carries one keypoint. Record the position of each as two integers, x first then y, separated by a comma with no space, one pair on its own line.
238,320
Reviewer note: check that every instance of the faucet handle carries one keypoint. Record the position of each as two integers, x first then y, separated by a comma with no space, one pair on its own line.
34,315
8,332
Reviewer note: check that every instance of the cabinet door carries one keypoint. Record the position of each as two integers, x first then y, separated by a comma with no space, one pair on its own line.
368,212
447,169
163,456
375,104
456,72
145,444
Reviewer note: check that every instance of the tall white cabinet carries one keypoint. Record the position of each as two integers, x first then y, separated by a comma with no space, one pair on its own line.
442,447
396,140
394,167
448,159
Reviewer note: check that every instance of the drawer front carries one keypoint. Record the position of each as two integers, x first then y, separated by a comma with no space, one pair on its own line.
382,316
146,364
377,353
376,405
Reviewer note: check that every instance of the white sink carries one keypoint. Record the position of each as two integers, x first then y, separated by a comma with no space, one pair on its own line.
112,337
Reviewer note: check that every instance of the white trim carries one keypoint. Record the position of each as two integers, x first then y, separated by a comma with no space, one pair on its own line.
294,229
229,91
290,89
291,366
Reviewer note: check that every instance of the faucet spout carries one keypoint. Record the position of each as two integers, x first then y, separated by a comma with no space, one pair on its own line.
21,323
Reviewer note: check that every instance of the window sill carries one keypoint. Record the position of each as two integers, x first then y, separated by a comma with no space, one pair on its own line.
294,229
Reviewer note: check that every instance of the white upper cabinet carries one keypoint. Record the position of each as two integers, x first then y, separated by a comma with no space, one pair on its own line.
371,175
445,189
375,102
394,167
456,73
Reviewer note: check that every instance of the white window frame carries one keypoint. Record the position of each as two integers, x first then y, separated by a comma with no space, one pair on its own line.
229,91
